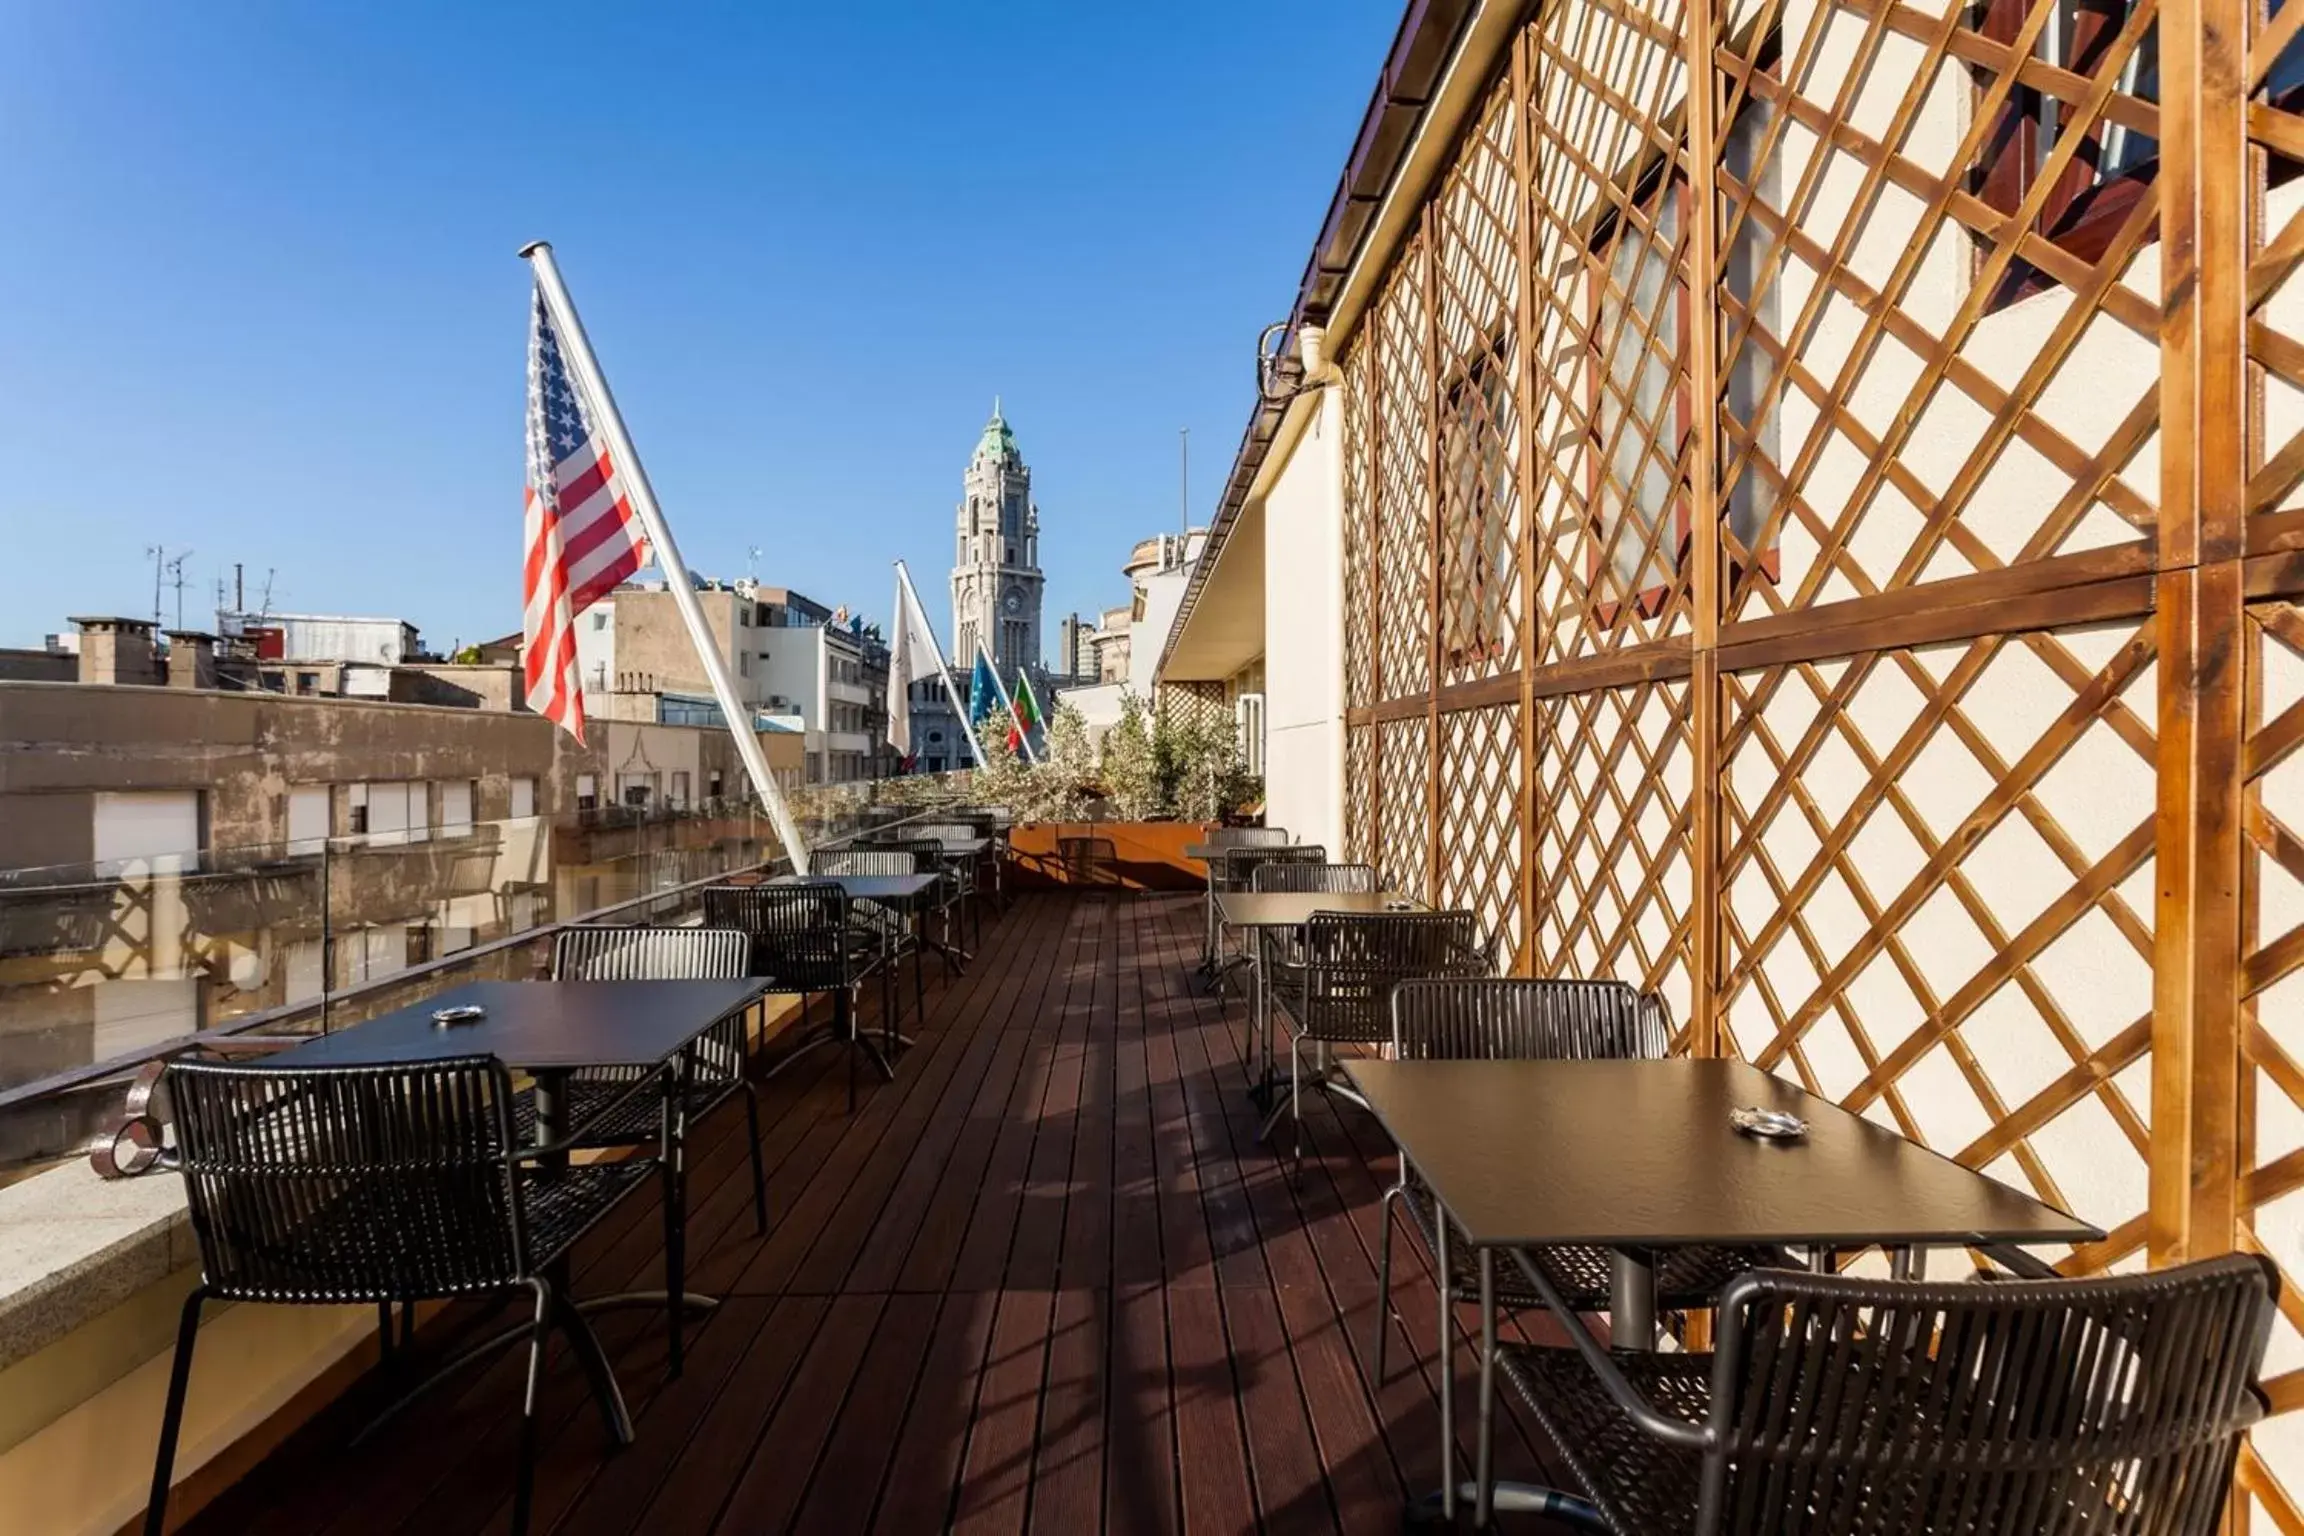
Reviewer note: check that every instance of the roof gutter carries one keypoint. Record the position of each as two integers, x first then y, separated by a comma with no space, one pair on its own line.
1423,50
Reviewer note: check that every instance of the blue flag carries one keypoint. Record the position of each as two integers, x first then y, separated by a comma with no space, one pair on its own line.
983,692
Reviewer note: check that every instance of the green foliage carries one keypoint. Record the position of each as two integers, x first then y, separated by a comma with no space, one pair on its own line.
1199,766
1131,777
1002,778
1067,771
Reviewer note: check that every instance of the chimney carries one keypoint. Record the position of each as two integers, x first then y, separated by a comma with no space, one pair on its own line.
114,650
191,658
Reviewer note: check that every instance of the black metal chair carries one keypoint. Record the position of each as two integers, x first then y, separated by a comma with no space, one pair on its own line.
963,887
2109,1406
1228,837
1088,861
893,928
1280,945
975,875
805,940
1517,1019
1339,990
1248,837
599,1099
992,823
1308,875
1237,874
384,1185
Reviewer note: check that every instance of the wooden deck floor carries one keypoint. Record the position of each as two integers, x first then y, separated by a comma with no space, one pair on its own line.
1044,1281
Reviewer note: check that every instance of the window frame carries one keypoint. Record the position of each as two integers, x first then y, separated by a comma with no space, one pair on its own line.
1469,380
1600,249
2082,213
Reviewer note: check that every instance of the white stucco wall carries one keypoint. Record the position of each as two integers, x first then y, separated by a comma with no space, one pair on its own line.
1304,633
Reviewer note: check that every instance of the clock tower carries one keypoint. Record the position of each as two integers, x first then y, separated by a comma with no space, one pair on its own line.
996,577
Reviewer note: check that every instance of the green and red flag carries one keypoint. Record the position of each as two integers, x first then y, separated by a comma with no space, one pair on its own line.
1024,712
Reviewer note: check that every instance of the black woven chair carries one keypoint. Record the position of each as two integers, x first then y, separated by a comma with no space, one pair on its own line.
890,926
599,1100
1228,837
956,896
2109,1406
1516,1019
1088,861
805,940
1339,989
1308,875
1279,946
974,874
1237,874
1248,837
992,823
384,1185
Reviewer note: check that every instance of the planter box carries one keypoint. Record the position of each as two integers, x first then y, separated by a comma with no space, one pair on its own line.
1148,855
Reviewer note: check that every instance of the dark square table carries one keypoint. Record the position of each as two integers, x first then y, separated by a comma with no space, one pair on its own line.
1293,909
890,890
546,1029
908,894
954,847
549,1029
1216,856
1637,1156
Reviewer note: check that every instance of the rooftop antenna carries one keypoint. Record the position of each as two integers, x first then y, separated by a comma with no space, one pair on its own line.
158,555
752,562
176,573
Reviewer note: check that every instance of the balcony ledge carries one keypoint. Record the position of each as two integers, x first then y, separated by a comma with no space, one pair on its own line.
73,1246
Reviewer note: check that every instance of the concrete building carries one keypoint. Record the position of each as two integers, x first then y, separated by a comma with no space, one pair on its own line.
939,744
1075,662
793,660
178,834
1157,569
323,637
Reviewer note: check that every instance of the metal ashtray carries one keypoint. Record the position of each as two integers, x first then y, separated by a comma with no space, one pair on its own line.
463,1013
1768,1124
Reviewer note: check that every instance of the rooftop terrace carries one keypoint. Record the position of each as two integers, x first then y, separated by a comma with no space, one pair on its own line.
1043,1280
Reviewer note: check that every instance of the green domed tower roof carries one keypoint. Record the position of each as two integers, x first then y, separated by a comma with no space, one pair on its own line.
997,440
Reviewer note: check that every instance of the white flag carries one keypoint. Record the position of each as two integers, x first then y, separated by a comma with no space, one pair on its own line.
901,671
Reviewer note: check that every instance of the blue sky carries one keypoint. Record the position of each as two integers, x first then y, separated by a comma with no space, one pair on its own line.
259,297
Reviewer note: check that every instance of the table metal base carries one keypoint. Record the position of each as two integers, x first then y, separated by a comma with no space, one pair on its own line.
1275,1096
1511,1499
581,1339
868,1044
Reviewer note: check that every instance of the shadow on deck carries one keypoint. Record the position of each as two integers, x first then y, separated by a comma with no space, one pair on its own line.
1045,1280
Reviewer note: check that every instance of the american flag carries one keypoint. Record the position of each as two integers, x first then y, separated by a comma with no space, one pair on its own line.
582,536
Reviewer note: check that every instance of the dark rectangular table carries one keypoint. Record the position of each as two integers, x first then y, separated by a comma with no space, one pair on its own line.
549,1029
1293,909
906,892
1636,1156
893,890
1216,856
955,848
539,1027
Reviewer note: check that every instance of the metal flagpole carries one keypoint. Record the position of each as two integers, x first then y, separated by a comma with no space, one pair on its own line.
1007,703
943,667
577,349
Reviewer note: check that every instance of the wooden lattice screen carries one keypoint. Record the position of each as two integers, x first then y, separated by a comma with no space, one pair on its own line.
1824,539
